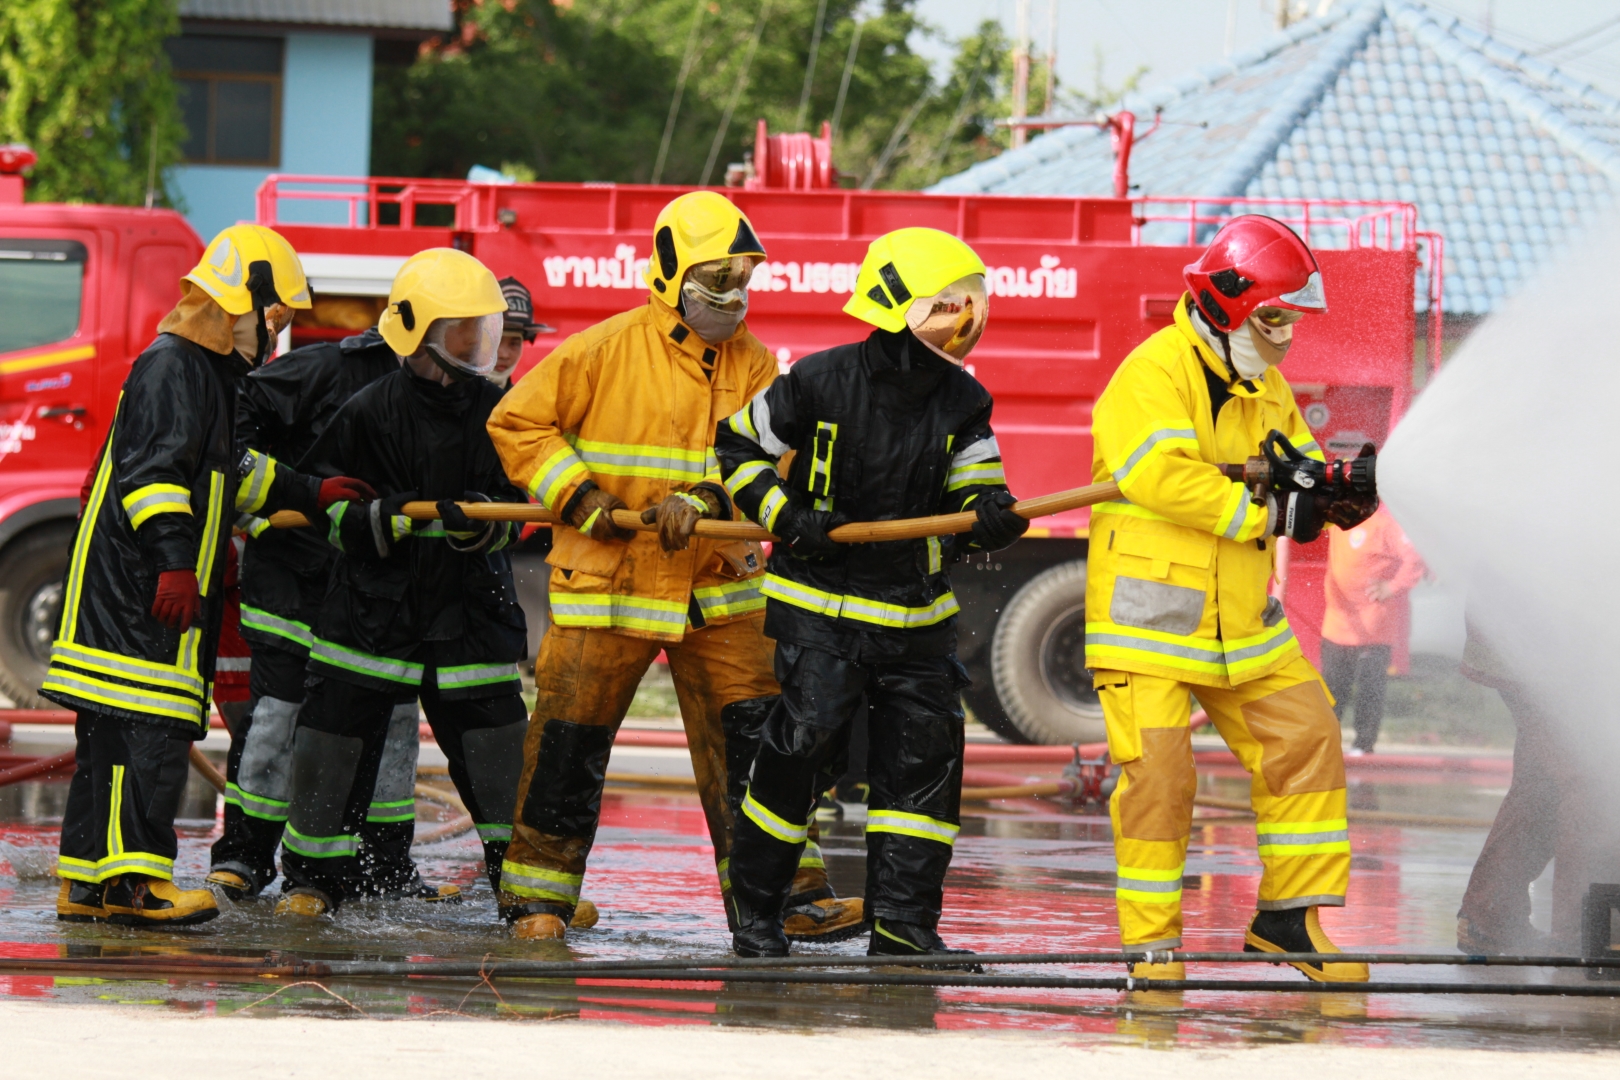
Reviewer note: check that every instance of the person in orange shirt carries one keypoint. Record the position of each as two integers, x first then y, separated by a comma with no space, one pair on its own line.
1371,568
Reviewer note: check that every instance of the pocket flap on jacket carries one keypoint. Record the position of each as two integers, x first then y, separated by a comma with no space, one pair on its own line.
573,550
1160,548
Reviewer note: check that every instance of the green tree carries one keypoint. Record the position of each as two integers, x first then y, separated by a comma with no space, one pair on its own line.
86,84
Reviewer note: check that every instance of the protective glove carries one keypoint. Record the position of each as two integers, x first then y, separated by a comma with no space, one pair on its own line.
804,532
1300,516
340,488
677,516
388,522
998,526
593,516
178,602
462,533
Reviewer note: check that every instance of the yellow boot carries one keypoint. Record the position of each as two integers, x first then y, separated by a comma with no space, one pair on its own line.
80,901
1170,969
304,904
585,916
235,886
1298,930
831,919
539,928
138,900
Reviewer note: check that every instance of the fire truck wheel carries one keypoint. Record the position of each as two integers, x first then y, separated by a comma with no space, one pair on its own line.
31,571
1038,660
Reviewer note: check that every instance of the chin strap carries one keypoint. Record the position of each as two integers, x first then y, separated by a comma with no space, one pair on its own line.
456,374
262,287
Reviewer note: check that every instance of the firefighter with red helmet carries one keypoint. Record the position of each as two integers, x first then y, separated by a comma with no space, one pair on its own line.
1177,602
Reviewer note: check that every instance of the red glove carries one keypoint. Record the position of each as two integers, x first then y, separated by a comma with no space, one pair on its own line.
341,488
177,602
89,482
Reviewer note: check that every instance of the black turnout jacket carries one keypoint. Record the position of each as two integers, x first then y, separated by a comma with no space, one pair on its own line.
168,484
396,584
282,410
880,429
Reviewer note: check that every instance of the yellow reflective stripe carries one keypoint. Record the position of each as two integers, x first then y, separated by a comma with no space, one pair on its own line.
207,552
558,471
1154,442
81,539
254,489
986,472
118,696
1124,508
1235,514
770,508
745,475
143,503
935,560
722,869
1105,641
1311,450
1248,654
781,828
907,824
539,883
115,828
1330,837
635,459
742,423
859,608
811,858
822,457
1146,885
733,598
711,466
613,610
126,667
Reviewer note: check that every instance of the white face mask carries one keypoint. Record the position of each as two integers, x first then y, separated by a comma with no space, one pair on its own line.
1255,347
712,324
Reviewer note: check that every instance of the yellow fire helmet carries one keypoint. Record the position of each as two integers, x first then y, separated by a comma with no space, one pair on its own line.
698,227
247,263
926,280
439,283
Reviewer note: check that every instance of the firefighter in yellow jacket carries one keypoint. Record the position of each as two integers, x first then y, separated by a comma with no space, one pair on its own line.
1177,603
624,415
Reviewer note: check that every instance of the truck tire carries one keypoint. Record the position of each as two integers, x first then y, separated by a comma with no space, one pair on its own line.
1038,663
31,571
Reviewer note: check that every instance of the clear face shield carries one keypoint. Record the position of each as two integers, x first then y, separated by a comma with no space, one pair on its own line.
951,322
465,348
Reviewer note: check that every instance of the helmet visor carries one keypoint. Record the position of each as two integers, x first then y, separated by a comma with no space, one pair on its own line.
951,321
721,283
469,344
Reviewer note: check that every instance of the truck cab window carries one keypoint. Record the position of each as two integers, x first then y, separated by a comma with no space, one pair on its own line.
41,290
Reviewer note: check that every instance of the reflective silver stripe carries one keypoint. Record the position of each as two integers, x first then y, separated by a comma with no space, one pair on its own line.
564,463
1283,635
768,441
990,472
494,833
256,805
128,863
769,823
770,507
128,667
730,599
1186,652
1240,517
538,882
320,847
665,466
1309,447
918,825
178,502
123,696
603,609
1304,839
232,663
475,675
258,619
859,608
255,486
379,667
983,450
1144,885
811,855
745,474
1147,446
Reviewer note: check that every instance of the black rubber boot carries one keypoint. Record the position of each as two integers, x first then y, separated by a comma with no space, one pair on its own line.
757,933
891,938
1297,930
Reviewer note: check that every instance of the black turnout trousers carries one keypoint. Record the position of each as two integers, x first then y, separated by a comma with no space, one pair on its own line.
126,789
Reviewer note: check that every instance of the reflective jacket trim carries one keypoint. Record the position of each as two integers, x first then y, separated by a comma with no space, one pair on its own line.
770,823
126,667
207,552
266,623
254,489
143,503
334,514
633,459
732,598
378,667
119,696
494,834
770,508
81,541
811,858
975,452
539,883
1236,515
753,422
129,862
745,475
722,870
232,663
1105,641
918,825
1124,508
341,846
1261,650
859,608
612,610
1328,837
1311,449
1155,442
256,805
253,526
558,471
1147,886
821,459
465,675
989,472
397,810
936,560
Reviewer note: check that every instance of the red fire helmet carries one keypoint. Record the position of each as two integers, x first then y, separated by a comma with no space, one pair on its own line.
1254,262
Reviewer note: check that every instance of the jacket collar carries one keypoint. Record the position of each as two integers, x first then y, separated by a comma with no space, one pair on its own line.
682,338
1250,388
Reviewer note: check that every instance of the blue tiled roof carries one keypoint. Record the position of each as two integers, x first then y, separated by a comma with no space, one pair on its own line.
1502,153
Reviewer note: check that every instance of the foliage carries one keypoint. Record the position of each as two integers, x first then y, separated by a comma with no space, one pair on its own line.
87,86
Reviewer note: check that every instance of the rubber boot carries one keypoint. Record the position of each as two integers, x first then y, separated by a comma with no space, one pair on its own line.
758,933
138,900
826,920
428,894
1297,930
539,927
80,901
305,903
1475,940
892,938
1170,969
585,915
236,884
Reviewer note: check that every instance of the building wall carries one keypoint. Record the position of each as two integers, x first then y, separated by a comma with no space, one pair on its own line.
325,131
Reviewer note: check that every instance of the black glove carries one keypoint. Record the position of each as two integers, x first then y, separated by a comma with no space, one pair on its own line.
367,529
804,532
1300,516
462,533
998,526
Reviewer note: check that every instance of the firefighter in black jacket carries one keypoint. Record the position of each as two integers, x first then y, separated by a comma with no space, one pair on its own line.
889,427
142,601
414,609
283,408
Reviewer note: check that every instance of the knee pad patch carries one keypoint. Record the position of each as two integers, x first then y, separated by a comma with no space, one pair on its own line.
1299,740
324,771
1157,800
565,792
396,773
266,767
494,758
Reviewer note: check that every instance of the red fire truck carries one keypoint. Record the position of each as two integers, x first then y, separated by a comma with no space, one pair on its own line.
1077,283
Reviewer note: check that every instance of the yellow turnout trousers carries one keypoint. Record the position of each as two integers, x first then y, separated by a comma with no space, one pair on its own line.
1282,729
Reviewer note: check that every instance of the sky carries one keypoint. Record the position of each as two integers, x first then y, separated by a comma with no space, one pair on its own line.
1175,37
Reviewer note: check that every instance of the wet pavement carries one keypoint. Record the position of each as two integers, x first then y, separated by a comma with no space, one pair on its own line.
1028,876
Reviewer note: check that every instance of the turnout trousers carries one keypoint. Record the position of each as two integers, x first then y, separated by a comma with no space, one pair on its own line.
127,783
914,766
585,679
1282,729
347,834
258,774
